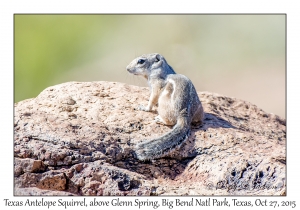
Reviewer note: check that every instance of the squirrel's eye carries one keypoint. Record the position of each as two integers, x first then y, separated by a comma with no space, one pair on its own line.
141,61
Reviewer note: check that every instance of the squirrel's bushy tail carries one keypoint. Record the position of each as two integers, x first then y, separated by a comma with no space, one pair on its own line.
159,147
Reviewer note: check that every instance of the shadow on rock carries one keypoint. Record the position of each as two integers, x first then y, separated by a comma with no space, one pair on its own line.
214,121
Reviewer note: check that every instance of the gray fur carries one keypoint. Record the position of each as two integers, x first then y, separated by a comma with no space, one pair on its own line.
178,104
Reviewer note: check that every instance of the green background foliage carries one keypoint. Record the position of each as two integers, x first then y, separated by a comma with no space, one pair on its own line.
242,56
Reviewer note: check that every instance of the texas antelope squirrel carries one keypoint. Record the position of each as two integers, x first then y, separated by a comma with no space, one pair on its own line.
178,104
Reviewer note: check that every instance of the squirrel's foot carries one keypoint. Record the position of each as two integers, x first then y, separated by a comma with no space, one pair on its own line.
159,120
142,108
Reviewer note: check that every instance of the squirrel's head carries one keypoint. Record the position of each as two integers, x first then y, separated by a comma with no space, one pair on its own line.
146,64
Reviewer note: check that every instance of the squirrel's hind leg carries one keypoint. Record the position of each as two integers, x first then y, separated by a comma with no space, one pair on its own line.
197,120
158,119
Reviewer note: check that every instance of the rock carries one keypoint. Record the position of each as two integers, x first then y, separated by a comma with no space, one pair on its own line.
28,165
39,192
78,139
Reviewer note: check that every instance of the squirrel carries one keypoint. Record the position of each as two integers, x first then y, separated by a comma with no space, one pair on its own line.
178,104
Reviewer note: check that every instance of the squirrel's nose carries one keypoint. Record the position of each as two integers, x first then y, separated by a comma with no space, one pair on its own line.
128,68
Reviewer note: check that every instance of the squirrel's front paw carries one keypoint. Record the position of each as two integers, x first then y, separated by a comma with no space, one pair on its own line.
142,108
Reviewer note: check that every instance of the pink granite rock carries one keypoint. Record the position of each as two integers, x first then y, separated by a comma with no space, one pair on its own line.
78,138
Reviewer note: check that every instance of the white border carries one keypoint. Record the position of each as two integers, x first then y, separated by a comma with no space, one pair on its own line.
8,8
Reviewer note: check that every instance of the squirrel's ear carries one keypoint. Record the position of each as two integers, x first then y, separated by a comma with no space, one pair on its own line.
157,58
158,61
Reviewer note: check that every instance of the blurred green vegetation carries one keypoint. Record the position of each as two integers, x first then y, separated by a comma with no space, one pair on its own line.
236,55
47,45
